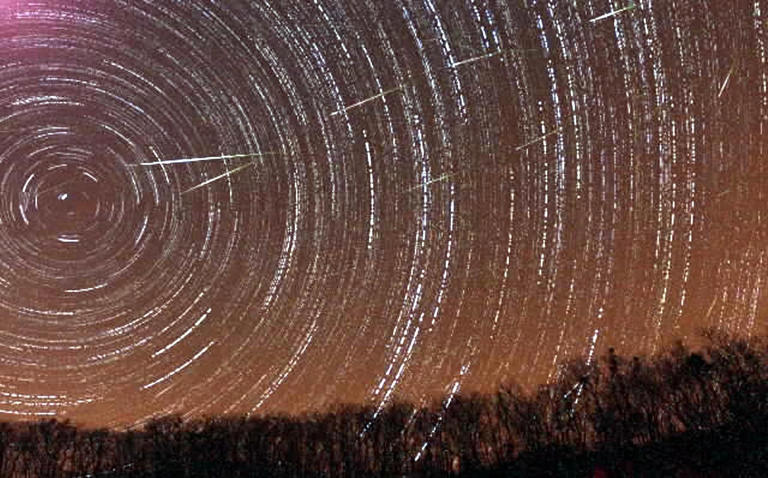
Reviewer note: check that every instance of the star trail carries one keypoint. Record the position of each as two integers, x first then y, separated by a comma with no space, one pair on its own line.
276,206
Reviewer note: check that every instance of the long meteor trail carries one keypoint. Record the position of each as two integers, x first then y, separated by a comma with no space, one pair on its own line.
204,158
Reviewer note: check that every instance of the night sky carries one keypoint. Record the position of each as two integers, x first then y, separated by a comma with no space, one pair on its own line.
275,206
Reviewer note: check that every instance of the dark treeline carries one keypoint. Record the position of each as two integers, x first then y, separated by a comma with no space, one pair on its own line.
682,413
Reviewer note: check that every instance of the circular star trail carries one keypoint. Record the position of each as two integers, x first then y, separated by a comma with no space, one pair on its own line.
247,207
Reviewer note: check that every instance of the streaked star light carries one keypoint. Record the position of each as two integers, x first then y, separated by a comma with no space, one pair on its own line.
261,206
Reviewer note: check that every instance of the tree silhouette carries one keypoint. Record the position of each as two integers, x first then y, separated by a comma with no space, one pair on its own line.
680,411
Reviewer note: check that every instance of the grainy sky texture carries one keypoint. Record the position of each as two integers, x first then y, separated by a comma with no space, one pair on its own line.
257,206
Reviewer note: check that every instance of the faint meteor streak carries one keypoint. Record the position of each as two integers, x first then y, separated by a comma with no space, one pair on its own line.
711,307
489,55
631,6
727,79
536,140
367,100
220,176
431,181
205,158
477,58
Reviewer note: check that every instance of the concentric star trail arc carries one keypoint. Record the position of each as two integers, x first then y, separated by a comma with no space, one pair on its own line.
255,206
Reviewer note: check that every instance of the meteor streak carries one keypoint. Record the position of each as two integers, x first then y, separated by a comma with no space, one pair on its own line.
367,100
536,140
477,58
220,176
629,7
205,158
727,79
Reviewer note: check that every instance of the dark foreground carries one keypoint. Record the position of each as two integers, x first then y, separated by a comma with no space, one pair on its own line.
677,414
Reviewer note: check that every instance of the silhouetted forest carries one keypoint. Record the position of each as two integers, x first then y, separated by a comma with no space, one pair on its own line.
681,413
